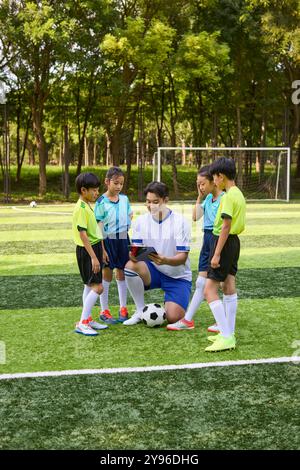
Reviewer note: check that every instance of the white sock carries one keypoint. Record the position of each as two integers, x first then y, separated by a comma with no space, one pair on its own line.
230,304
104,295
89,303
136,288
197,298
218,311
86,291
122,290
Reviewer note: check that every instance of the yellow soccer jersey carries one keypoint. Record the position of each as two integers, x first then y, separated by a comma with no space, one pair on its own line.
233,205
84,217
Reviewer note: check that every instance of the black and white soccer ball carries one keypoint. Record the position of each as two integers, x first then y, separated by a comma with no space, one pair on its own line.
33,204
154,315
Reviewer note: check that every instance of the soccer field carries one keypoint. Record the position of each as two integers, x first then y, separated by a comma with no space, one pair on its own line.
240,407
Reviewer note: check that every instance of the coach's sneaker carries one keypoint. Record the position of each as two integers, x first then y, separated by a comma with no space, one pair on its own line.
134,320
213,328
95,325
85,329
107,317
182,324
222,344
123,315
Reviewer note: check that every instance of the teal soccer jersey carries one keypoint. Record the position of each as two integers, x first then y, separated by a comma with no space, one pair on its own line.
115,216
210,209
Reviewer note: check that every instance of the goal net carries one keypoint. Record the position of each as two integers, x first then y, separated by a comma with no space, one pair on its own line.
263,173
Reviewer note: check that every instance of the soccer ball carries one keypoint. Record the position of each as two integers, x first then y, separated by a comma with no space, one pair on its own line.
153,315
33,204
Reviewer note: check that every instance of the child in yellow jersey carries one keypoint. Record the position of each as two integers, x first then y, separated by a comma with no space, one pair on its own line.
229,223
88,240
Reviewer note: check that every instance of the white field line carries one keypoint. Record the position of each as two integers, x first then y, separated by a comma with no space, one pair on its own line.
35,211
126,370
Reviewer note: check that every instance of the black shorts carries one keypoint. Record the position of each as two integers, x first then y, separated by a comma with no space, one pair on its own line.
85,264
228,260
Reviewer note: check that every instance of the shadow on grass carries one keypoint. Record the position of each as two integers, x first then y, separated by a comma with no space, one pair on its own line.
65,290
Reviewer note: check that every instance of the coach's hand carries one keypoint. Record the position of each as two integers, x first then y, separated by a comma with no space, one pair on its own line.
157,259
215,261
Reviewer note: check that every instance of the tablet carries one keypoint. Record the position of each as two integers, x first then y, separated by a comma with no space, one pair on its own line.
141,252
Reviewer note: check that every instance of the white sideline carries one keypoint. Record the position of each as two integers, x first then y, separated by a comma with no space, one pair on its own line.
125,370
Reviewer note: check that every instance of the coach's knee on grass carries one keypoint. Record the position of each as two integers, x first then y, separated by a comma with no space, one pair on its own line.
174,312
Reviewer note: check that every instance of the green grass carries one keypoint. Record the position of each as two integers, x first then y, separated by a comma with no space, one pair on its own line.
251,407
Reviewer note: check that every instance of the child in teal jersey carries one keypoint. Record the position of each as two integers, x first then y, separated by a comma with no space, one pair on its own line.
113,213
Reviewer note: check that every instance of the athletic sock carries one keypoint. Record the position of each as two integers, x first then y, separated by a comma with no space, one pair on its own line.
89,303
230,304
86,291
122,290
218,311
104,295
197,299
136,288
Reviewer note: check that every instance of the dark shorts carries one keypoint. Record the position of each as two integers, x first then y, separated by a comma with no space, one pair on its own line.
208,240
228,260
117,250
176,290
85,264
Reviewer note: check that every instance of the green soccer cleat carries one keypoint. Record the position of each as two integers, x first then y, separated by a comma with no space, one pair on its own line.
222,344
213,338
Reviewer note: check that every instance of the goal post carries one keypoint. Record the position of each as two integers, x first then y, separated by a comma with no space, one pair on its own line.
263,173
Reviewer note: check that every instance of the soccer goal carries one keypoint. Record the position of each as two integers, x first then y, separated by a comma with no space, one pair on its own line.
262,172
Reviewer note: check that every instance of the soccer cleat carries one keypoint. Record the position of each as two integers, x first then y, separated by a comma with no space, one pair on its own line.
107,317
85,329
123,315
134,320
222,344
212,339
95,325
182,324
213,328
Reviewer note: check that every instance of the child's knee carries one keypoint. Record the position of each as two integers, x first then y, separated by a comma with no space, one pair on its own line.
98,288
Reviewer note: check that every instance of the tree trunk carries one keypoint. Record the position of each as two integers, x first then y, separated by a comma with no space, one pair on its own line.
37,115
66,154
240,154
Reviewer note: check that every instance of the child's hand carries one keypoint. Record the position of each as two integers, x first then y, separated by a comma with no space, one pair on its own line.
105,257
215,261
95,265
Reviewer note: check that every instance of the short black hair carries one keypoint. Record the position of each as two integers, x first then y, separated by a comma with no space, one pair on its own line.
224,165
87,181
158,188
205,171
114,171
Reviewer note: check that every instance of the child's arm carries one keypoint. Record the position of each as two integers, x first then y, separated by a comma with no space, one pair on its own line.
105,257
215,261
89,249
197,210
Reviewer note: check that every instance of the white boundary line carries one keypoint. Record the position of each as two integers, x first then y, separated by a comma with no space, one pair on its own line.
126,370
31,210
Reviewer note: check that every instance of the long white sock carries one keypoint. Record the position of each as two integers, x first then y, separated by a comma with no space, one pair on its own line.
230,304
122,290
197,298
89,303
218,311
86,291
136,288
104,295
